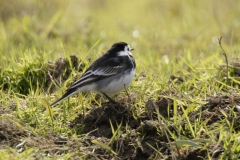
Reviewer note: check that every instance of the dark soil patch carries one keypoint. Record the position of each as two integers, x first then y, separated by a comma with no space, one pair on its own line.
97,121
162,106
136,142
11,133
211,112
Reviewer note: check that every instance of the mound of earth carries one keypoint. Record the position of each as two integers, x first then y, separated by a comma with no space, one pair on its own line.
145,137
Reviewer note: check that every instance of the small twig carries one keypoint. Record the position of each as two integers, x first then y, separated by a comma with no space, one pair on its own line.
83,111
163,128
224,53
51,78
102,113
92,131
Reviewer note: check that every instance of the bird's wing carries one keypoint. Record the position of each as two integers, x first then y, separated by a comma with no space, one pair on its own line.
107,71
95,72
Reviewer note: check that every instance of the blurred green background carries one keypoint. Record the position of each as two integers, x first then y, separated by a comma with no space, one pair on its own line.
165,27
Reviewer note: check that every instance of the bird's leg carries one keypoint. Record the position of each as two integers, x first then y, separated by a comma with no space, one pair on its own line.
110,99
114,102
129,99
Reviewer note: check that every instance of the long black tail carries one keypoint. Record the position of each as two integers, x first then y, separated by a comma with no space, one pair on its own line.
66,95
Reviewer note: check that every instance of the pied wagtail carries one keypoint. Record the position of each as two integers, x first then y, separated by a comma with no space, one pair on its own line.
108,75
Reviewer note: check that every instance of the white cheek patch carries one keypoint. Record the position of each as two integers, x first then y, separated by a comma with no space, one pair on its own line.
126,51
123,53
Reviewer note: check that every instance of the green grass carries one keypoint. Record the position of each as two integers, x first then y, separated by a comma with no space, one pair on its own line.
169,37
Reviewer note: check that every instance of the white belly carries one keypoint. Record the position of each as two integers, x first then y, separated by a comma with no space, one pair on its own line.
117,85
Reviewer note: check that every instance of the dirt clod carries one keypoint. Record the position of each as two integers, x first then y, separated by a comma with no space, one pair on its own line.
162,105
60,70
99,119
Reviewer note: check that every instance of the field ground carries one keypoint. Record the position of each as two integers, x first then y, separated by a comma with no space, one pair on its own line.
184,102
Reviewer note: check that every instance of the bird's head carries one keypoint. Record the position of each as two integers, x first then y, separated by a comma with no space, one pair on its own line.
121,49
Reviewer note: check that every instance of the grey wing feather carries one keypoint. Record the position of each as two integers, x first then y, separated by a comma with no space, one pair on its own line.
107,71
86,77
91,75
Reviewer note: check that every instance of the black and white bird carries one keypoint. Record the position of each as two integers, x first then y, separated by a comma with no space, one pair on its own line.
108,75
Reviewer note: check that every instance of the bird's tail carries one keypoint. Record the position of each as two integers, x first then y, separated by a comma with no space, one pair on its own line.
66,95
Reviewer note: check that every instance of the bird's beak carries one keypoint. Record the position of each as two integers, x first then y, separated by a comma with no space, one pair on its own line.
131,49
